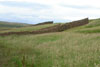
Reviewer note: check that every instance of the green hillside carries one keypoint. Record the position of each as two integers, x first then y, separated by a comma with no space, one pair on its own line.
8,25
76,47
92,27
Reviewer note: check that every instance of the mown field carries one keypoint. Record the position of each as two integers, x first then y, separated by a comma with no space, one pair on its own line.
76,47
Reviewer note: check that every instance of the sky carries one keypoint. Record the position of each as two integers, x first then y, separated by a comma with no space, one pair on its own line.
36,11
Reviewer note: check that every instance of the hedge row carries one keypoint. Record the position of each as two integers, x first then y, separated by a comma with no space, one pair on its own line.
56,28
74,24
43,23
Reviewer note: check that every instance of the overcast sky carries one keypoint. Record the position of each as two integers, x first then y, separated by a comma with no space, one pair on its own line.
36,11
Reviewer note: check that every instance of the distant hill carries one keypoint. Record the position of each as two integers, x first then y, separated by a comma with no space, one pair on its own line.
8,25
11,24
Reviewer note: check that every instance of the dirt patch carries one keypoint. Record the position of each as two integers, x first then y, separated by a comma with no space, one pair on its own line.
55,28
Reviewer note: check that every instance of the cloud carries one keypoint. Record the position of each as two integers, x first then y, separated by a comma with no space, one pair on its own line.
34,11
25,5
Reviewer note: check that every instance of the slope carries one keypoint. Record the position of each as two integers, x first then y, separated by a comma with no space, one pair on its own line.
64,49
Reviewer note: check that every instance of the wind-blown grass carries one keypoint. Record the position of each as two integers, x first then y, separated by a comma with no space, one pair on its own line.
66,50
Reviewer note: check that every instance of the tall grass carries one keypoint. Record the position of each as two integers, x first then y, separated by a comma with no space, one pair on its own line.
63,49
51,50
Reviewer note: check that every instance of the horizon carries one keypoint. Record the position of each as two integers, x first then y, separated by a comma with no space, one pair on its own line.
33,12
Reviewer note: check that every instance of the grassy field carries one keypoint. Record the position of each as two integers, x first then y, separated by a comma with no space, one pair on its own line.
76,47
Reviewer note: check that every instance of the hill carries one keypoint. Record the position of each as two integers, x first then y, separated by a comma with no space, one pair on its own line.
8,25
76,47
